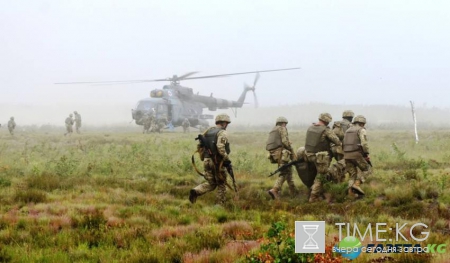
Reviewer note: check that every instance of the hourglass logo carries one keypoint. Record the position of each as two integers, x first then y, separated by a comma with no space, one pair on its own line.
309,236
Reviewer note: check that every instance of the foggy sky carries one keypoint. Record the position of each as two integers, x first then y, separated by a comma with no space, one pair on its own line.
350,52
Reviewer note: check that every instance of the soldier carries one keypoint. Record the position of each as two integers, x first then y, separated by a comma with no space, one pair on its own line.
77,121
215,160
161,123
339,128
317,148
280,152
356,154
146,120
186,124
69,123
11,125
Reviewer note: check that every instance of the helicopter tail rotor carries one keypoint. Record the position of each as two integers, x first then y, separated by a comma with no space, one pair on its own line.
252,88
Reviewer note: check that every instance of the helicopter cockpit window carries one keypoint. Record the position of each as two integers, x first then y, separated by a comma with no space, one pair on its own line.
144,105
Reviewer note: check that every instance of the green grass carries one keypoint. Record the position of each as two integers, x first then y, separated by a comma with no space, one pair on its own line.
123,197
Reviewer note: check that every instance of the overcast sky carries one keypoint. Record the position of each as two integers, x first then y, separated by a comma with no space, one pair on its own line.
350,52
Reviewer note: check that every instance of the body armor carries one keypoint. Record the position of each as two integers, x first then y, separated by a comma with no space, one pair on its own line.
211,142
274,140
351,139
313,143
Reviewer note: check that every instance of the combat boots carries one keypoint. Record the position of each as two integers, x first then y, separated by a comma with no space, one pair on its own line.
316,192
193,196
356,187
274,193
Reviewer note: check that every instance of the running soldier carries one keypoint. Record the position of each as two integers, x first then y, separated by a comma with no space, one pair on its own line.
339,128
280,152
317,148
215,159
356,154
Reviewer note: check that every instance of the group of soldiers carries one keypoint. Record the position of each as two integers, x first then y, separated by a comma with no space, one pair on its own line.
151,124
11,125
70,121
346,142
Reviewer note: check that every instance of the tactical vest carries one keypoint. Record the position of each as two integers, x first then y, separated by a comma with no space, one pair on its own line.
313,143
274,140
352,140
211,142
345,124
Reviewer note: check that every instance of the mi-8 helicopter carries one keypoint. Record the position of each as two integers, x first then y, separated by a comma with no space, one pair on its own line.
175,103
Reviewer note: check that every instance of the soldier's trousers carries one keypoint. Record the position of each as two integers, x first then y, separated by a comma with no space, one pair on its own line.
285,174
322,161
69,129
213,179
352,164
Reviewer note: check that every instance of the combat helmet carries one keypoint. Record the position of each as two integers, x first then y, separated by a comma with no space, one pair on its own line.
360,119
70,115
348,113
282,119
223,117
12,118
325,117
75,112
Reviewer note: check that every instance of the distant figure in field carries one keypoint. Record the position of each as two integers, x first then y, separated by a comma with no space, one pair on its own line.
317,146
77,121
339,128
186,124
356,154
281,152
11,125
69,125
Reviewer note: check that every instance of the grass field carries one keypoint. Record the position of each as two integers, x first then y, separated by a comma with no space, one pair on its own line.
123,197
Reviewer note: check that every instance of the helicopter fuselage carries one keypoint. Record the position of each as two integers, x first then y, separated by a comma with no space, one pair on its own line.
176,103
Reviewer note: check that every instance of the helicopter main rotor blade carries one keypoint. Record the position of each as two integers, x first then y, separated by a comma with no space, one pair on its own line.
240,73
255,99
186,75
183,77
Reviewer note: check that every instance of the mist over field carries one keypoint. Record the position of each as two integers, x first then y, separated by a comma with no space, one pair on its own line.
248,117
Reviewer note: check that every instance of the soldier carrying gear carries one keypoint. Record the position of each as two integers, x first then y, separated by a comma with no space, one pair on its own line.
215,160
146,121
281,153
317,148
339,128
186,124
77,121
356,154
69,123
11,125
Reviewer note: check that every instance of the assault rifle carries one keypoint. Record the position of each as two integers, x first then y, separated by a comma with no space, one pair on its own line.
365,155
230,171
284,166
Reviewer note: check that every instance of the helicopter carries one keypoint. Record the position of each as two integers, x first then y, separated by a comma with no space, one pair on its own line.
174,102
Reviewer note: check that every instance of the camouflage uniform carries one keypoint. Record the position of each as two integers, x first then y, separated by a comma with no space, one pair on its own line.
186,124
215,173
146,121
356,154
161,123
11,125
69,123
318,139
280,152
339,128
77,121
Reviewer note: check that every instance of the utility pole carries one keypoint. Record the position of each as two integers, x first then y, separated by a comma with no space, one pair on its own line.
415,121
